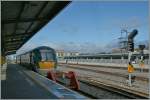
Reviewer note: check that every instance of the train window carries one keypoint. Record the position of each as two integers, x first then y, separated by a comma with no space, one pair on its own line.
47,56
50,56
43,54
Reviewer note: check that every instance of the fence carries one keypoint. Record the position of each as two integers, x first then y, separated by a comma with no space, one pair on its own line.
116,61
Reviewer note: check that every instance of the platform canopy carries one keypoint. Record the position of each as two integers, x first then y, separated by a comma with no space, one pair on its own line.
20,20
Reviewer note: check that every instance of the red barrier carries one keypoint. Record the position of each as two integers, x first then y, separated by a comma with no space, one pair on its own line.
74,84
51,76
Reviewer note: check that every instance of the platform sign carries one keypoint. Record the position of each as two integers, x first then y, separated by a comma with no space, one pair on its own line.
130,68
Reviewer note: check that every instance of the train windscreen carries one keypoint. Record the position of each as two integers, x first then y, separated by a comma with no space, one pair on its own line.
47,55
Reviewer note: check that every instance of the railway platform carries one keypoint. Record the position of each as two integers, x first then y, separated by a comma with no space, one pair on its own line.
19,83
16,85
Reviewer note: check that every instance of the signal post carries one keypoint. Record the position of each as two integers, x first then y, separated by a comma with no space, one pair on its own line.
130,50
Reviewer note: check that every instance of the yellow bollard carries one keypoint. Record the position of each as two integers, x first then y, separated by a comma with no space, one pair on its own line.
130,68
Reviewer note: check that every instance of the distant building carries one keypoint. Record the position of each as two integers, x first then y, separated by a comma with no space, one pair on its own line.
136,50
146,51
116,50
62,53
71,53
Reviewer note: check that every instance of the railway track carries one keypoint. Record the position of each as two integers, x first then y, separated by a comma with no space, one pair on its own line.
118,91
122,90
87,68
99,90
107,91
101,66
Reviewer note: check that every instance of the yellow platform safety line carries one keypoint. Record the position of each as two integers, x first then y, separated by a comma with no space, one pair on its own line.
2,60
130,68
46,64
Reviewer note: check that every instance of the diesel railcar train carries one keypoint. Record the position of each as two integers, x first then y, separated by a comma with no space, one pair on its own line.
40,59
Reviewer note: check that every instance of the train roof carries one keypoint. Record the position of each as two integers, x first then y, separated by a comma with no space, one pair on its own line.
40,47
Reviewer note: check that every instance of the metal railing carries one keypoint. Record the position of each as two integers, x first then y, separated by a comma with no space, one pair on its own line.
116,61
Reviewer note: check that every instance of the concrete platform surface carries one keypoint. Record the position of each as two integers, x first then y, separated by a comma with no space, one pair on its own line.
20,83
16,85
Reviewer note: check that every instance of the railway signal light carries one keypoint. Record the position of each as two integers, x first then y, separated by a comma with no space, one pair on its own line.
141,47
130,45
133,34
131,40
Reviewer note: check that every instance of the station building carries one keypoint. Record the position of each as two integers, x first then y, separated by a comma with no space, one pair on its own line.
62,53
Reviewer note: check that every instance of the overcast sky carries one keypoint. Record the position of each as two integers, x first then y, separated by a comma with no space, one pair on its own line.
91,26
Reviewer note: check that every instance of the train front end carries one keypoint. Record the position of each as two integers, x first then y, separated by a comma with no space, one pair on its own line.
47,60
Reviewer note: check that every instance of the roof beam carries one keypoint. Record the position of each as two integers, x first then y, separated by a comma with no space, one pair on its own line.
18,34
10,52
52,13
19,15
12,43
12,40
15,40
12,47
36,16
9,21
